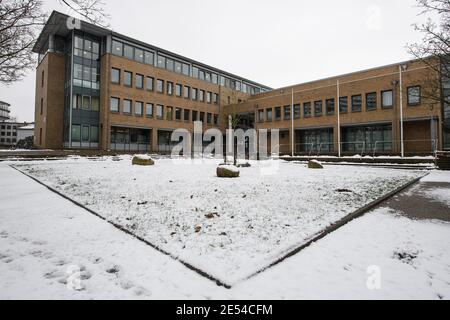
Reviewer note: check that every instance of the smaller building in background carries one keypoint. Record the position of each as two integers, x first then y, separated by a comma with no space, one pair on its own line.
4,111
12,132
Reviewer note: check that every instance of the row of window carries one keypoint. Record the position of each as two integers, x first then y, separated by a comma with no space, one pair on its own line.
8,134
8,140
85,133
171,64
387,101
8,127
161,112
163,86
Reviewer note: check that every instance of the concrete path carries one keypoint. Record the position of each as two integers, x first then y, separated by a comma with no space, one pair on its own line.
428,199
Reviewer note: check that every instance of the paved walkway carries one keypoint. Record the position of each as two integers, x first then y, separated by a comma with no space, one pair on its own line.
428,199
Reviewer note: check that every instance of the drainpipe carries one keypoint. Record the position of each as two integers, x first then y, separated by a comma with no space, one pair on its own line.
402,68
339,118
292,124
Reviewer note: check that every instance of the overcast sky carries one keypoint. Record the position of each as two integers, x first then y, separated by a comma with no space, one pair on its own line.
274,42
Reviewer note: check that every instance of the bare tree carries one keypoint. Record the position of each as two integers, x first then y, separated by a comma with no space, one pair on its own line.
20,23
434,49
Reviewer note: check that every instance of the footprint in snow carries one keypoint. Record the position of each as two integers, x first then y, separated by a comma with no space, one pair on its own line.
4,234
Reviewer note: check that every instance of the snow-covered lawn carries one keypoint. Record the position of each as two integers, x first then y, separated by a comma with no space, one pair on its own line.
43,237
229,228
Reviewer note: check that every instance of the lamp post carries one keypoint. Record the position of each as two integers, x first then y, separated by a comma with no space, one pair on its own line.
402,68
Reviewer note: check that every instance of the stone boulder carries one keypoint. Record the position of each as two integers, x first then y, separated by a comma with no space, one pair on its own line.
227,171
142,160
314,164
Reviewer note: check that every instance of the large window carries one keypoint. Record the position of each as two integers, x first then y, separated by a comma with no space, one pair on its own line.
178,89
117,48
269,114
187,92
127,106
297,111
187,115
202,95
139,81
85,133
194,115
307,109
371,101
115,75
178,112
76,133
318,108
215,98
138,106
343,104
387,99
287,112
357,103
139,55
150,81
260,115
149,110
170,88
169,113
317,140
159,111
277,113
160,86
194,93
128,51
414,96
114,104
149,57
363,139
209,97
128,79
330,106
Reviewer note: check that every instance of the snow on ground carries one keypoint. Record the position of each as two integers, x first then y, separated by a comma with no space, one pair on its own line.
228,228
42,235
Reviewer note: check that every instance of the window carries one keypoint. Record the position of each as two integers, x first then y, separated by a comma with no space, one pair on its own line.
216,98
169,64
343,104
85,134
287,112
261,115
128,51
128,78
115,75
357,103
94,134
76,133
161,63
414,96
202,95
178,89
177,113
208,97
195,72
150,83
169,113
42,107
138,106
178,67
139,81
170,88
216,119
214,78
149,110
371,101
194,93
114,104
149,57
186,69
160,86
86,103
139,55
387,99
194,115
330,106
117,48
209,118
127,106
307,110
159,111
297,111
277,113
269,114
318,108
202,116
201,75
187,114
95,103
187,92
42,78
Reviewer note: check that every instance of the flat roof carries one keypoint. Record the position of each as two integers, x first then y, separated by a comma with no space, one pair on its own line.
58,24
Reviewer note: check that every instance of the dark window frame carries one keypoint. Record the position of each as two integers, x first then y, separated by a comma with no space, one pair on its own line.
373,94
382,100
408,96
